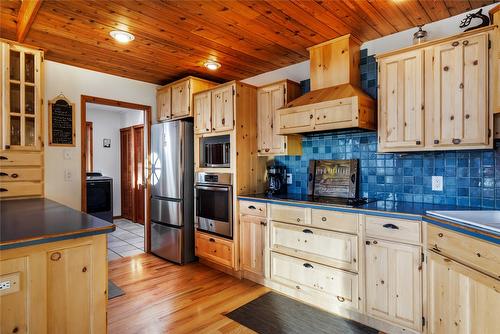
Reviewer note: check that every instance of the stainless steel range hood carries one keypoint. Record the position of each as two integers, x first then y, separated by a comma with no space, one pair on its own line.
335,100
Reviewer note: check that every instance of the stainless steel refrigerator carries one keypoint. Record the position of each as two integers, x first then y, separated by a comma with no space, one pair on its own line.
172,212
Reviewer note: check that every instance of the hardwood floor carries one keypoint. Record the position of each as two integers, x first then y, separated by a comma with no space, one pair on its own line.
161,297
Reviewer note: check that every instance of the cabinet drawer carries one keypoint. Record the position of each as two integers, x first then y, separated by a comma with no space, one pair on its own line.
331,248
393,229
18,189
314,278
20,174
253,208
473,252
12,158
290,214
214,249
335,220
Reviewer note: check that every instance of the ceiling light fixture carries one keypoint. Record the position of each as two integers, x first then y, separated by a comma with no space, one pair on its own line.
212,65
122,36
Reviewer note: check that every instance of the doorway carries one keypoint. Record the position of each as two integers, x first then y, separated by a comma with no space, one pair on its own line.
133,219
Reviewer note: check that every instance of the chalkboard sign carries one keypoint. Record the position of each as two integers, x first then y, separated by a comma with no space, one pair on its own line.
61,122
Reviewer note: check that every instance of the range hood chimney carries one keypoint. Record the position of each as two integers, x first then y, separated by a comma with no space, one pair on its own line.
335,100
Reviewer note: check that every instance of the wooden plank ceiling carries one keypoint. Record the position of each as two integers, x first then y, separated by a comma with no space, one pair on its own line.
175,38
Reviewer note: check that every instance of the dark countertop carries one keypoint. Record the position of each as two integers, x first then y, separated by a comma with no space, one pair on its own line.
392,209
27,222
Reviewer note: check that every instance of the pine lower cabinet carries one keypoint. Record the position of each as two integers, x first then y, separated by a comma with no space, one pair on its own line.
394,282
215,249
253,245
463,283
61,287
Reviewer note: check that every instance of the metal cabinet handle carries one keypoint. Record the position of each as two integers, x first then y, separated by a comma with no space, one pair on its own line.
211,240
55,256
3,174
263,223
367,242
436,141
307,231
308,265
418,142
2,157
223,121
2,190
391,226
267,150
251,207
340,299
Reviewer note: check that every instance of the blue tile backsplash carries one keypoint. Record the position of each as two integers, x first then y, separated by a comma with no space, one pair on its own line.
470,178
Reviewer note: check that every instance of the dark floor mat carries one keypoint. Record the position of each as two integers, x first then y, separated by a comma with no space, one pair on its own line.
273,313
113,290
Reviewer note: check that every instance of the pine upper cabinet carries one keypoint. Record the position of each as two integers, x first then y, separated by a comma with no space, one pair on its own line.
164,103
461,300
269,99
174,100
401,104
394,282
460,81
253,240
223,108
202,115
22,94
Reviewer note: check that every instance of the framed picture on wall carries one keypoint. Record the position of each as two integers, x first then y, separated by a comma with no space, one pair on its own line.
106,143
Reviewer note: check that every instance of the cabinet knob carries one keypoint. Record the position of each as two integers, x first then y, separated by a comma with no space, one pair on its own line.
446,68
298,219
223,121
367,242
418,142
323,219
440,235
263,223
475,62
375,242
55,256
456,141
84,269
454,43
14,176
466,42
461,86
311,116
452,118
436,141
211,240
467,116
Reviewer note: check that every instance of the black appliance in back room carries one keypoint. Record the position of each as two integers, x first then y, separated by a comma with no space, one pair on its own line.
100,196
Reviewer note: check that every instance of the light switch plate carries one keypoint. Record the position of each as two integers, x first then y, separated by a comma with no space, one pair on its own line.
67,175
67,154
437,183
289,178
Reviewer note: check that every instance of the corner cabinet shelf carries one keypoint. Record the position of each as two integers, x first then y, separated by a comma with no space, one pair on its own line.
21,131
175,100
434,96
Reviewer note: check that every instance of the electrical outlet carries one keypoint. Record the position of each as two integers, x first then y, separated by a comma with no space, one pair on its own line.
9,283
4,285
289,178
437,183
67,154
67,175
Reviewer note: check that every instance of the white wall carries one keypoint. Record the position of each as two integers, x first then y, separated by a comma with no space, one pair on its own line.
74,82
438,29
107,125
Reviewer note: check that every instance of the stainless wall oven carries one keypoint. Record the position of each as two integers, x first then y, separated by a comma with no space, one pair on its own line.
215,151
214,203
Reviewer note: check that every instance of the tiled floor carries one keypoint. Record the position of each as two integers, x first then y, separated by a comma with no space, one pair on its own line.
127,240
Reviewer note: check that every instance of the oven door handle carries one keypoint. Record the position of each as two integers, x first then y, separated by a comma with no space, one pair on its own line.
221,189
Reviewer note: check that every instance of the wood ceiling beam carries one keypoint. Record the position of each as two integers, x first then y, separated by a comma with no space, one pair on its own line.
25,17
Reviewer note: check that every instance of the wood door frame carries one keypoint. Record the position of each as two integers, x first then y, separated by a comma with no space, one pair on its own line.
139,126
91,144
147,123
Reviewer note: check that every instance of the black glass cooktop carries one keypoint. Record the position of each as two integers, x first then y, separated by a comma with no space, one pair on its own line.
336,201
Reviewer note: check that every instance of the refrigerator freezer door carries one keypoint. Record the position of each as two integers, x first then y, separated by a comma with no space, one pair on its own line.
166,211
167,160
166,242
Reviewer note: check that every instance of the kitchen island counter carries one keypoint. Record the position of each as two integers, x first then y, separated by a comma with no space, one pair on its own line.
27,222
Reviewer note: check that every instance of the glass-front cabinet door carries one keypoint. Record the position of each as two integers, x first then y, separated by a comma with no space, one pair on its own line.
21,98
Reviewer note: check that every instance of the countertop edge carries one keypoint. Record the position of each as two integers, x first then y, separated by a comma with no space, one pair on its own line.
473,231
43,239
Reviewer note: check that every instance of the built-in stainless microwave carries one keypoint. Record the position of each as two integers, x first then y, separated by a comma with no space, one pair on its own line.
215,151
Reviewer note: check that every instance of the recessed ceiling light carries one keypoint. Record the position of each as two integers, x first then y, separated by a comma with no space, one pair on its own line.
122,36
212,65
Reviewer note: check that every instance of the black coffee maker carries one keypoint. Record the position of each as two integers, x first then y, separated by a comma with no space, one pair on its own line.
276,180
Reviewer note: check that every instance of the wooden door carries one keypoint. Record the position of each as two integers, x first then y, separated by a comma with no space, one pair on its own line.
253,235
69,290
139,181
164,103
223,108
460,92
127,173
181,99
461,300
394,282
270,99
21,112
202,114
401,100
